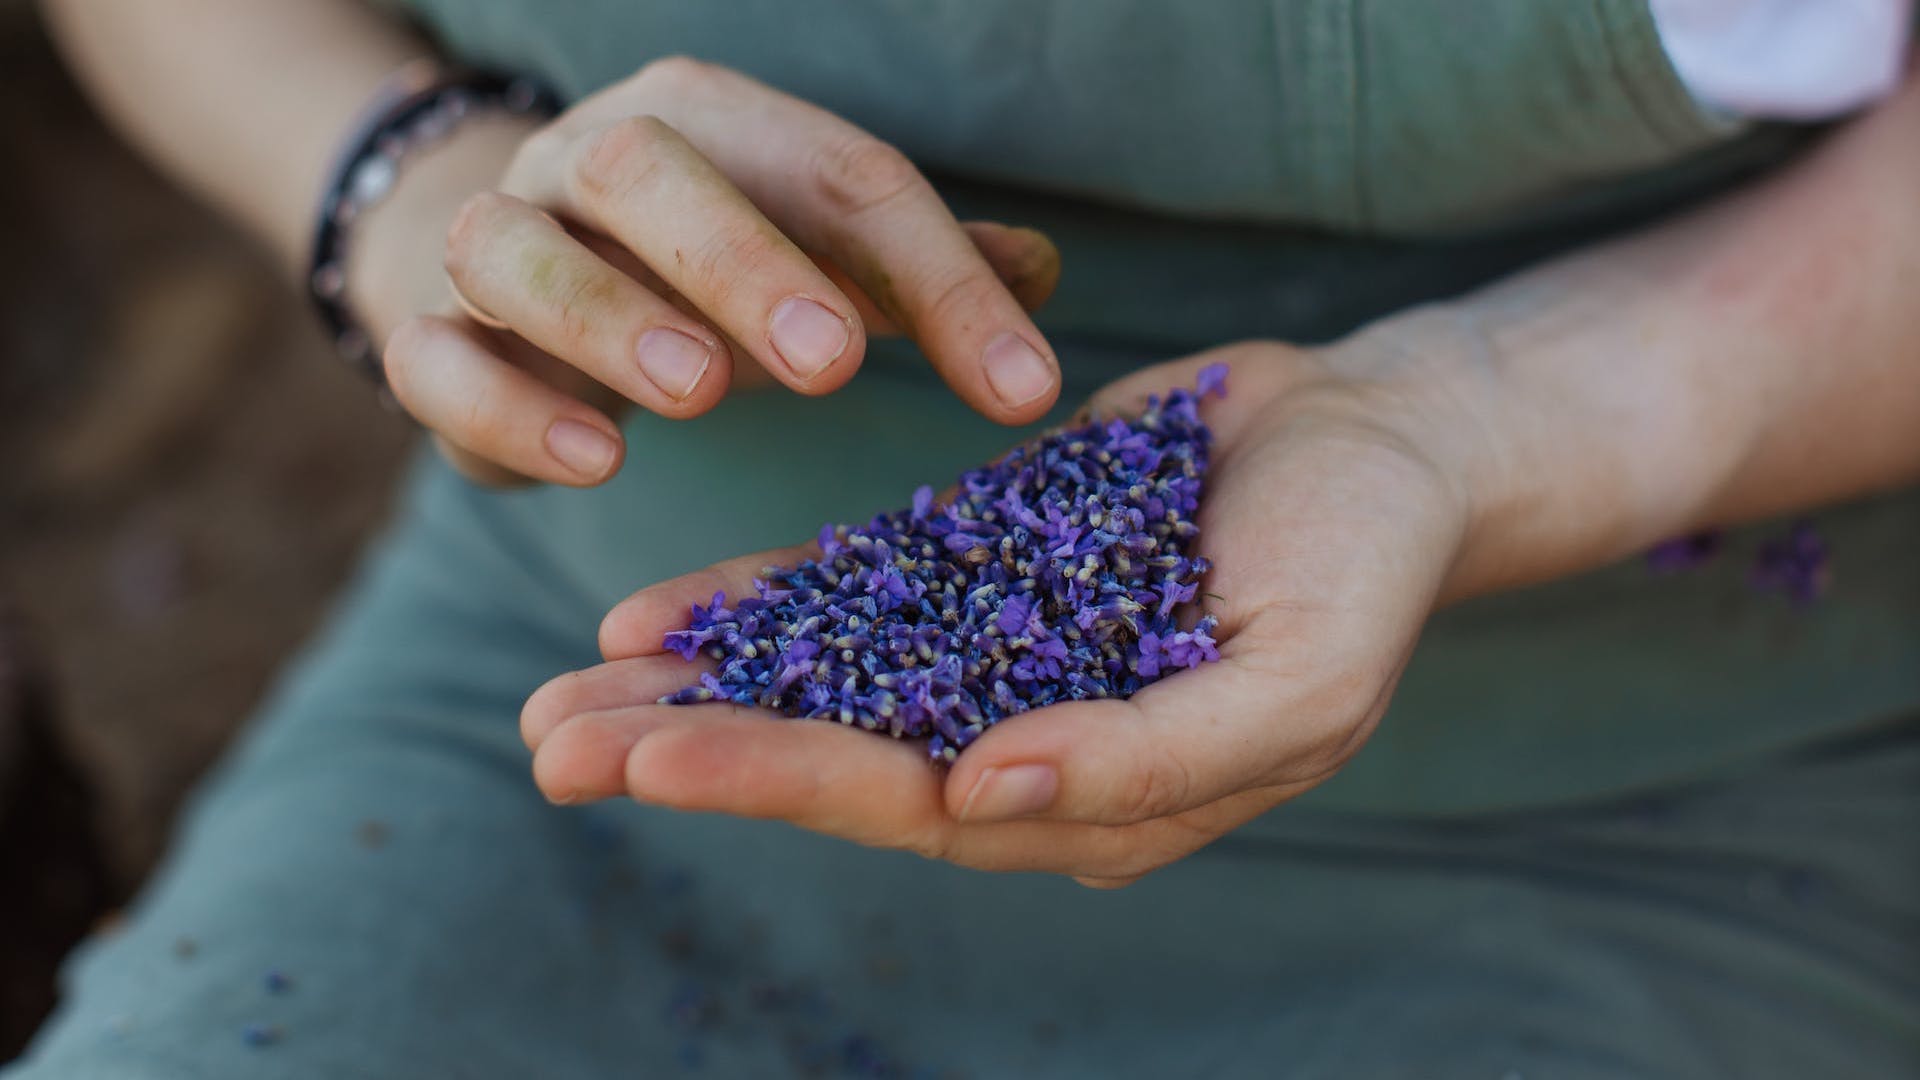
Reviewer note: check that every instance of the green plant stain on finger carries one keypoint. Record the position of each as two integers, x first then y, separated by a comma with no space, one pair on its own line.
581,296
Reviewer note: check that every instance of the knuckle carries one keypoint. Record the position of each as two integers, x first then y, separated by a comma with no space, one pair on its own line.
962,299
1155,787
621,158
472,222
466,412
728,261
475,423
580,305
545,144
538,157
858,172
677,72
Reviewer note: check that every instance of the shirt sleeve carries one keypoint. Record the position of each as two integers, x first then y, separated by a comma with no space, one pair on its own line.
1786,59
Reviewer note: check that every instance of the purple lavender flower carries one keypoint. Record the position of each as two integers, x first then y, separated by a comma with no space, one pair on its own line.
1795,564
1212,380
795,662
1012,619
1056,574
1685,552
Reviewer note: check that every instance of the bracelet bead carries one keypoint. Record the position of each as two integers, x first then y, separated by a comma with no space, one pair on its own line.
416,106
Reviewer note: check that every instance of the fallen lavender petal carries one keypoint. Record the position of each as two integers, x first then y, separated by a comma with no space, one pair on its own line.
1795,564
1684,553
1057,573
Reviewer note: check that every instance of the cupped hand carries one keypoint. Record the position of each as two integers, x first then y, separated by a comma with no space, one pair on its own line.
1335,508
674,235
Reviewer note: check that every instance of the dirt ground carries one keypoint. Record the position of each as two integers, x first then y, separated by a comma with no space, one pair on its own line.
189,475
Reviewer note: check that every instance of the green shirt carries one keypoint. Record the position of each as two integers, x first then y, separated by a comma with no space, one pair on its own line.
1242,168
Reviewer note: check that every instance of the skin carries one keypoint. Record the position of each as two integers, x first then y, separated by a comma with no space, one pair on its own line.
1743,361
683,231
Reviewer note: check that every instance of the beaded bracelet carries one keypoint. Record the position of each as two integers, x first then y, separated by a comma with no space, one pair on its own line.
416,106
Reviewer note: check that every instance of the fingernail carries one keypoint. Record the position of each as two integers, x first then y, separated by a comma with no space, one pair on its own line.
584,449
1012,791
673,361
807,336
1040,256
1016,371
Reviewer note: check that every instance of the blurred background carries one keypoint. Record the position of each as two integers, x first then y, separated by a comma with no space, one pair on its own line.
188,477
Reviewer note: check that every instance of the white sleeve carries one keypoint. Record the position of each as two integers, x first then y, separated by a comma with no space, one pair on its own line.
1786,59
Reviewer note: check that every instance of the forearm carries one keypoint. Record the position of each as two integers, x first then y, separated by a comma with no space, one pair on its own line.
1754,358
241,101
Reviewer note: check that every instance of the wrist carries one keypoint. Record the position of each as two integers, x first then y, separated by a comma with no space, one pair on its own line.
394,266
1573,436
1432,378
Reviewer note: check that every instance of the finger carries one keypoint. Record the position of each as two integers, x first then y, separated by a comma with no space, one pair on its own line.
1107,856
479,469
816,774
639,681
520,267
724,758
839,191
487,407
843,782
1025,260
1190,740
638,625
642,183
747,373
583,759
475,312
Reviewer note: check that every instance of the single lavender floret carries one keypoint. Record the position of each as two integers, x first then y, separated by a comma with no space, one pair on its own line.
1683,553
1796,564
1056,573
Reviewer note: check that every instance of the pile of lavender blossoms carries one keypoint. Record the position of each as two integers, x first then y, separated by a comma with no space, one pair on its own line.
1056,574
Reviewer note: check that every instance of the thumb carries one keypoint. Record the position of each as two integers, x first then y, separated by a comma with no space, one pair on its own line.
1189,740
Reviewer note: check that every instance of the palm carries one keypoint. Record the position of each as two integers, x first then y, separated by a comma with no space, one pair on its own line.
1328,541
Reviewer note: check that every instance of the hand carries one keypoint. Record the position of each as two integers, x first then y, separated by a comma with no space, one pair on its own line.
663,240
1336,506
